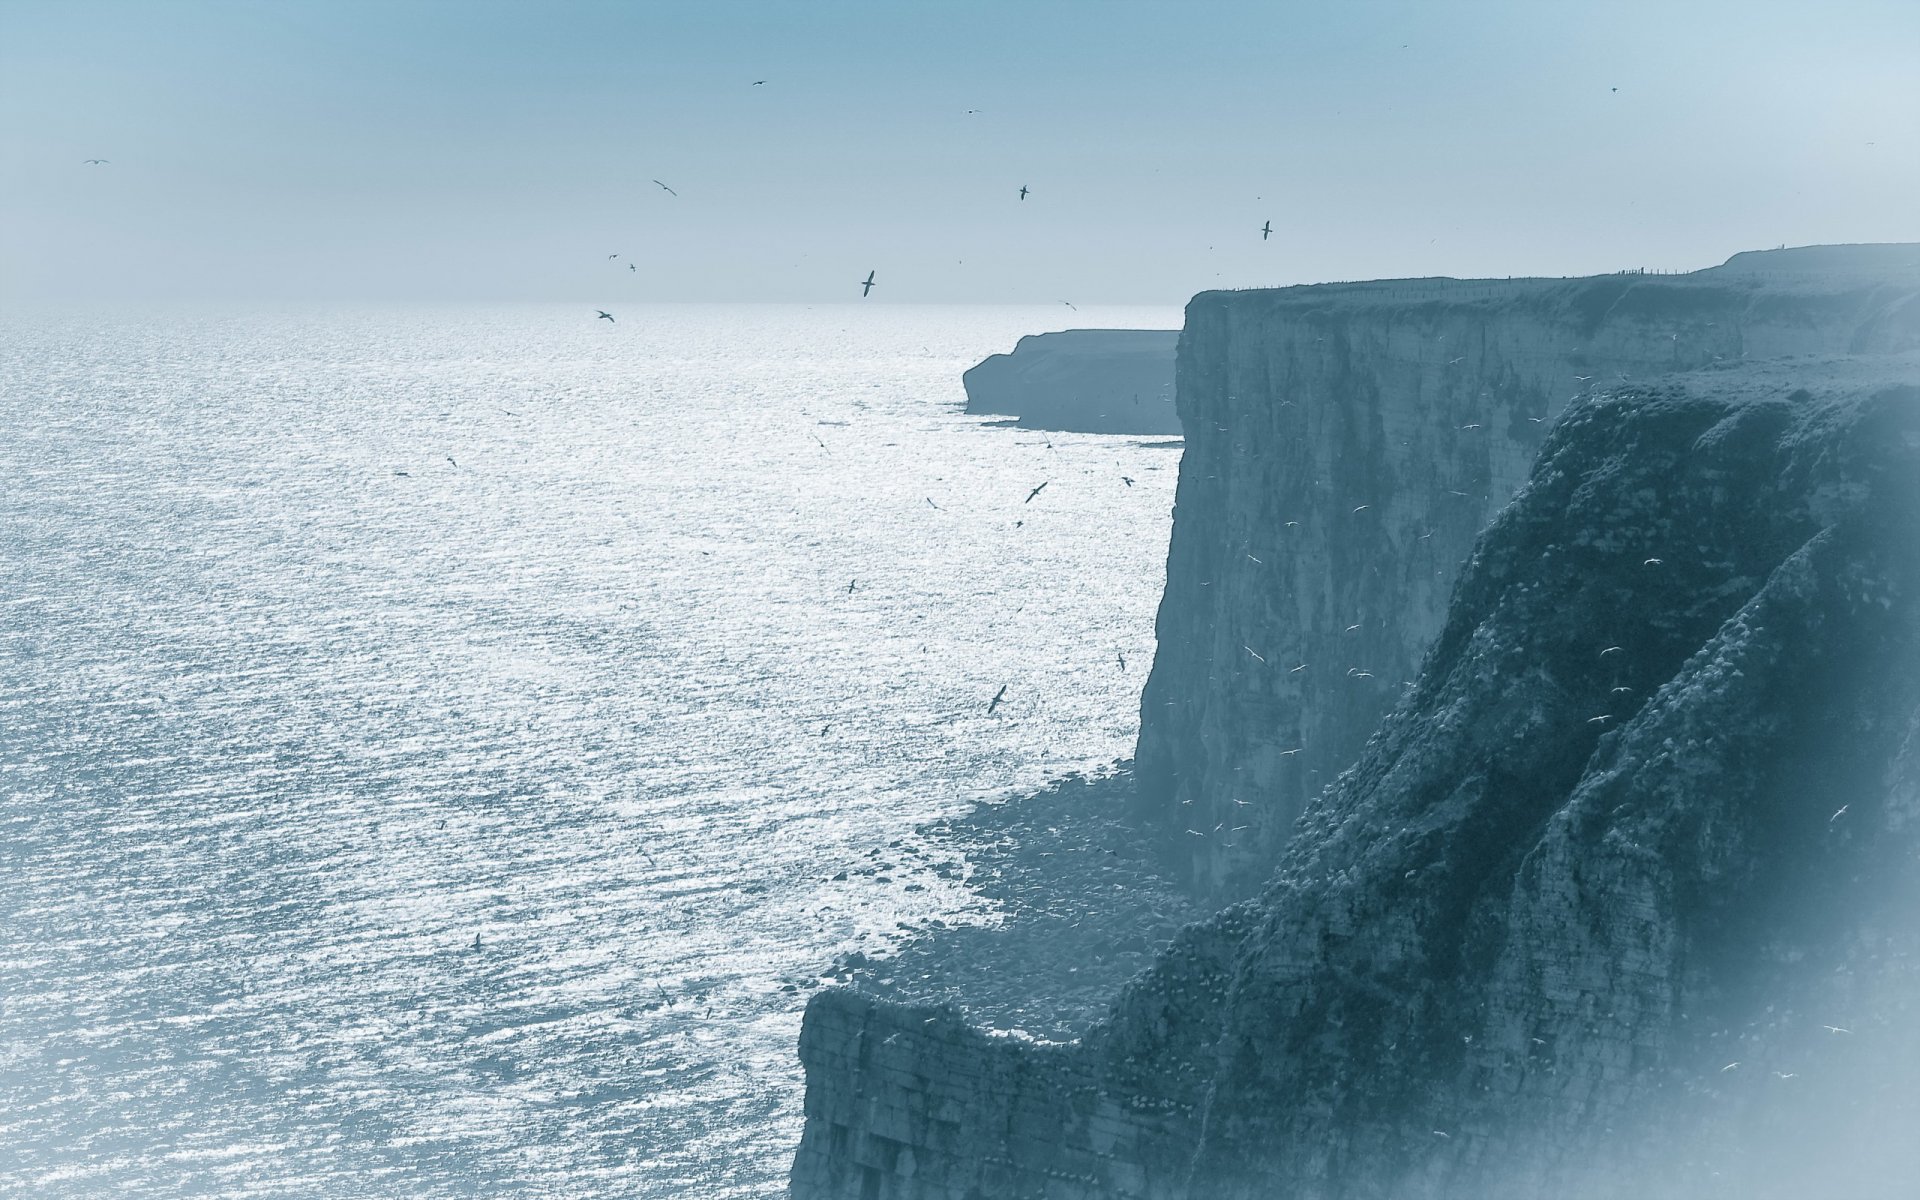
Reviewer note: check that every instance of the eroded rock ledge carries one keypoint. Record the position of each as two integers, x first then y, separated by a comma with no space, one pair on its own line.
1619,899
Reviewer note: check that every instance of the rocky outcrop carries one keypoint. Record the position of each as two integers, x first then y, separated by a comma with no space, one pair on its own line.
1345,443
1089,380
1619,899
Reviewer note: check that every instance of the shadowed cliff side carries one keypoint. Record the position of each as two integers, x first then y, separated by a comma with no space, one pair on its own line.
1618,899
1345,444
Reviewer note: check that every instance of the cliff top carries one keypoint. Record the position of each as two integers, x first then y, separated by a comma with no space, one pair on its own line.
1802,269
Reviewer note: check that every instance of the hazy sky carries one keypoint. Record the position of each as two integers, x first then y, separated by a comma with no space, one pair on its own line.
500,151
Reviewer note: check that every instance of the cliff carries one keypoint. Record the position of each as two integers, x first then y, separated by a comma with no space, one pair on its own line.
1345,443
1618,899
1090,380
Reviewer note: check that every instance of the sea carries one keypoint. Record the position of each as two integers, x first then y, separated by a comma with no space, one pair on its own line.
434,739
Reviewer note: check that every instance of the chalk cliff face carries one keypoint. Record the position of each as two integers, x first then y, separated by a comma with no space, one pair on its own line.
1345,444
1620,899
1089,380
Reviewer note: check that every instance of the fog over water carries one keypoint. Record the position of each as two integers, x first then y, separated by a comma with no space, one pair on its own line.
335,639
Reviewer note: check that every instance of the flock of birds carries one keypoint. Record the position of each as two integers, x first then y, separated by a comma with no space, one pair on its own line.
866,285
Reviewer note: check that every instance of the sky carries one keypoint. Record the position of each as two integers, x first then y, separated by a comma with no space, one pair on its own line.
487,151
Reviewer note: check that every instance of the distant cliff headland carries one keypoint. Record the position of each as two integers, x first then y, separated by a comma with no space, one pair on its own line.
1089,380
1542,660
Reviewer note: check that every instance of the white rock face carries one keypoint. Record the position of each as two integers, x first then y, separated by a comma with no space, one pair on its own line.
1345,443
1089,380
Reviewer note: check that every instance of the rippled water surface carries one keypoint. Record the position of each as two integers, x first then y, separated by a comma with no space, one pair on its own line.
428,737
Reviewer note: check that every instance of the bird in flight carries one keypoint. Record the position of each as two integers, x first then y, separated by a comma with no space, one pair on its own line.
867,285
1035,492
1125,480
97,161
758,82
605,315
1071,304
997,697
1266,231
669,191
631,267
850,584
1023,191
613,256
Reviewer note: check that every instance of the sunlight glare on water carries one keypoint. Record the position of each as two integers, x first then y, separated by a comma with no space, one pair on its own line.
428,736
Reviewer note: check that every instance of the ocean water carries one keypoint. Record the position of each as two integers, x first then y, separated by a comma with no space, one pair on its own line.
428,736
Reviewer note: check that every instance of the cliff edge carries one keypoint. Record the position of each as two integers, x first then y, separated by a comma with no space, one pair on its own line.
1618,899
1346,443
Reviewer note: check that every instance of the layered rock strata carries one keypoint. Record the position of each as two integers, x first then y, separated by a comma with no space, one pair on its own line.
1345,443
1619,899
1088,380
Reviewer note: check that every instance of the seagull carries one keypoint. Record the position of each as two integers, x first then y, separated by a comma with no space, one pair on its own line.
631,267
868,285
1835,1029
1836,816
1122,658
669,191
1266,230
1730,1066
1350,628
1256,657
1452,361
758,82
1292,752
850,584
1611,650
97,162
450,459
1127,481
476,941
1363,508
1071,304
1298,669
1600,720
1653,562
613,256
605,315
931,504
1035,492
1023,191
997,697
